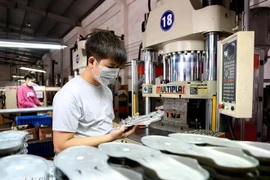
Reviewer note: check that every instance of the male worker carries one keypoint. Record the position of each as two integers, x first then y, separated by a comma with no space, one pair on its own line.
83,108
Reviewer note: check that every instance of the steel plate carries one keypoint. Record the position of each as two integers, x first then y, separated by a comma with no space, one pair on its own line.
17,167
207,156
164,166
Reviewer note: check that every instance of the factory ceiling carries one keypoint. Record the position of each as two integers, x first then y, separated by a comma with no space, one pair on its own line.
39,20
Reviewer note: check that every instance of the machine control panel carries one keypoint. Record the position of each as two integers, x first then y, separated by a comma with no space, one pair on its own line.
229,74
236,59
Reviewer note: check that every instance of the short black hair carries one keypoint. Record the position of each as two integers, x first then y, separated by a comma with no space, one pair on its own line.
104,44
30,76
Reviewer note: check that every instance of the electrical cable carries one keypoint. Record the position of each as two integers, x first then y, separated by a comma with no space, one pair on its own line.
229,120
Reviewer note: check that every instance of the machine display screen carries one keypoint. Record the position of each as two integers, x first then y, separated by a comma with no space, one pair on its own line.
229,72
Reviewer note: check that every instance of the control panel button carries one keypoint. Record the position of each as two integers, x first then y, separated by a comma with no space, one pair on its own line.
221,106
232,108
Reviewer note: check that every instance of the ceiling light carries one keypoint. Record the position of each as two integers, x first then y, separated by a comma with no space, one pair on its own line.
21,80
34,45
14,76
33,69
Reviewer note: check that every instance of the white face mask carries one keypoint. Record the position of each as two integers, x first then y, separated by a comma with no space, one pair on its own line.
107,75
30,83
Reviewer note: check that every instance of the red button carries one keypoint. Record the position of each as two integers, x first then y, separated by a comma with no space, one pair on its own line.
221,106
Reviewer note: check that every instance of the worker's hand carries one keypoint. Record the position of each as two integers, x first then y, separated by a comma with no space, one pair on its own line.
122,132
34,106
41,104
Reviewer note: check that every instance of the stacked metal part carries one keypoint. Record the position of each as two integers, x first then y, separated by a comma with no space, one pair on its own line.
16,164
224,159
143,119
124,161
16,167
179,156
13,142
89,163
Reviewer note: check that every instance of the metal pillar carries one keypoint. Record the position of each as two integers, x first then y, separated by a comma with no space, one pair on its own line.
218,82
245,28
211,55
257,115
62,66
149,71
134,86
210,70
164,69
246,15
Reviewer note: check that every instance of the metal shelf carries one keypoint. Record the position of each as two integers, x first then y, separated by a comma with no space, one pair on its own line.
38,141
26,110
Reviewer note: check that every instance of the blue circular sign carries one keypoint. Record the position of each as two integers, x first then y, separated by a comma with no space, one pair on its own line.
77,58
167,20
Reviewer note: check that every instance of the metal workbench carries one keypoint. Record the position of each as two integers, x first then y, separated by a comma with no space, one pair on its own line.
25,110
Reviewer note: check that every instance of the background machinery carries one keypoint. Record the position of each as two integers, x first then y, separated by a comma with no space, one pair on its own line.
208,64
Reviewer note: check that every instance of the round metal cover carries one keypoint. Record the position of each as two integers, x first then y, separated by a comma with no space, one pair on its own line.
163,165
80,155
206,155
17,167
84,162
11,141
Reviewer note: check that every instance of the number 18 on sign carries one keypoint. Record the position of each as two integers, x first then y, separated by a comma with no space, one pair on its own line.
167,20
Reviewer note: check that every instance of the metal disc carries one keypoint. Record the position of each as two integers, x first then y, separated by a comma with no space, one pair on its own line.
80,155
17,167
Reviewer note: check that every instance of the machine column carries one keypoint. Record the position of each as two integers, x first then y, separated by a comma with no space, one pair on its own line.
245,28
149,59
210,70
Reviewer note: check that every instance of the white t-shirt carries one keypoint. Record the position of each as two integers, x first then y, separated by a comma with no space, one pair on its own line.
83,108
